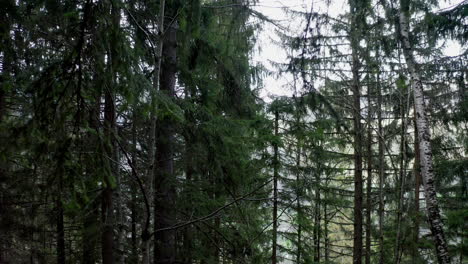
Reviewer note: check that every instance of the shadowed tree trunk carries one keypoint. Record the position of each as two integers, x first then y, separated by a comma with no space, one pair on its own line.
381,170
151,172
275,191
59,218
369,178
107,206
134,201
401,179
164,215
298,205
417,186
356,11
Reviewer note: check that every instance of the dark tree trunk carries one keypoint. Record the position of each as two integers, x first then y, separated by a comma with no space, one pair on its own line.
151,171
317,220
369,179
381,170
401,181
187,256
327,239
298,205
274,257
60,227
356,11
134,201
90,239
91,219
164,202
107,206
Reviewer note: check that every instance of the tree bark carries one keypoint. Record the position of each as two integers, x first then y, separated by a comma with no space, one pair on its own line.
275,190
151,172
317,219
134,189
381,170
107,206
425,150
60,226
369,178
417,186
356,11
327,239
298,206
401,180
164,246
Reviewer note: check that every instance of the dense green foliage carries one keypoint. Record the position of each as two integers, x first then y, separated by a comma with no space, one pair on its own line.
124,143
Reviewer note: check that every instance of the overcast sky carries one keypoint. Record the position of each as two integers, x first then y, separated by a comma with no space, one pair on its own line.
267,51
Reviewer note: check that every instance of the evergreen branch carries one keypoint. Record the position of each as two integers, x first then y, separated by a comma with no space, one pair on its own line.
212,214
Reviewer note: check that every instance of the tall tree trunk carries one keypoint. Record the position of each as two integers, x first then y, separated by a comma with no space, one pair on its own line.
187,257
400,181
133,205
188,243
151,172
114,151
6,64
381,170
425,151
107,215
275,190
356,11
327,239
59,218
120,222
91,219
369,178
298,205
417,186
90,226
164,216
317,219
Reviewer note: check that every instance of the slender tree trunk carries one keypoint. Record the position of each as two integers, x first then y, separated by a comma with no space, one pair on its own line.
369,178
187,257
417,186
133,205
60,225
298,205
133,231
120,222
114,151
381,171
317,220
327,239
401,181
4,78
111,157
107,215
151,172
90,227
275,190
356,11
165,246
425,151
91,219
188,245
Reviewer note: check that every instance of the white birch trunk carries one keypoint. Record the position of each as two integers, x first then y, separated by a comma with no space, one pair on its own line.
425,151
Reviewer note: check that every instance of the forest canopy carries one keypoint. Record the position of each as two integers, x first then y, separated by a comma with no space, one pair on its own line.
137,131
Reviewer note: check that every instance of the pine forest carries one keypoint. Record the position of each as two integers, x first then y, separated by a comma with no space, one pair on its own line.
233,131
